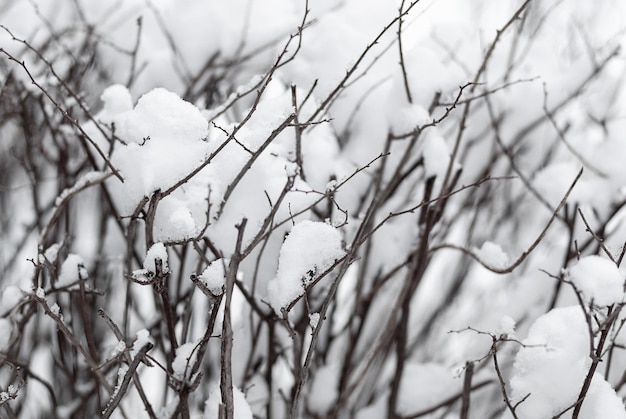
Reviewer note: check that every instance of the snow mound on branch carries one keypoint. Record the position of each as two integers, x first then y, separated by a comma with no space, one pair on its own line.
310,249
143,338
493,255
598,279
162,141
552,365
214,276
186,356
72,270
156,251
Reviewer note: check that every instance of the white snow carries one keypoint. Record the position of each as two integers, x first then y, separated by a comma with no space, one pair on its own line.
186,355
598,279
424,385
314,319
41,294
164,140
118,349
324,392
507,327
552,366
241,408
436,157
72,269
116,99
493,255
6,329
553,181
11,296
214,276
143,337
310,249
51,252
82,182
156,251
121,373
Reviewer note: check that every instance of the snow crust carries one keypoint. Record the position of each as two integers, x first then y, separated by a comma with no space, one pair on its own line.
310,249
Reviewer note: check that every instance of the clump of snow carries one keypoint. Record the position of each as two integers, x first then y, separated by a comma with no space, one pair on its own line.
181,222
425,385
241,407
552,366
116,99
314,319
52,252
40,293
405,119
163,140
82,182
436,157
507,327
214,276
163,114
72,270
310,249
10,394
143,338
598,279
121,373
156,251
493,255
55,309
186,355
119,348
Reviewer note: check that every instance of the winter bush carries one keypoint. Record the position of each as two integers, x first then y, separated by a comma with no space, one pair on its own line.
279,209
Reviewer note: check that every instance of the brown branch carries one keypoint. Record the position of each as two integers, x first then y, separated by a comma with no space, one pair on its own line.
526,252
226,372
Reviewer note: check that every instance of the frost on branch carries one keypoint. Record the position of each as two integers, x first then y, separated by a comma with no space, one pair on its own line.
309,250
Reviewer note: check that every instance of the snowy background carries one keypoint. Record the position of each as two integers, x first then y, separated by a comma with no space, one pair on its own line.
278,208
